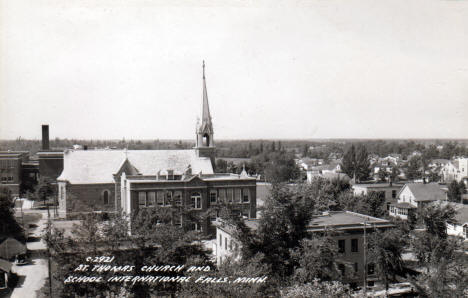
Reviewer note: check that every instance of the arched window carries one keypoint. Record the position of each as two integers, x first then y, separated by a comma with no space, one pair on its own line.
206,140
105,197
196,200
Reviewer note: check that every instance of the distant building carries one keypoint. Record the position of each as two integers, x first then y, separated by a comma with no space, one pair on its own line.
327,175
414,196
50,161
389,191
456,169
11,170
132,180
350,240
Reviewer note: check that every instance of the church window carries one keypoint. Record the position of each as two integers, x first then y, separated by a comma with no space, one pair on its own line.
151,198
196,201
142,199
105,197
206,140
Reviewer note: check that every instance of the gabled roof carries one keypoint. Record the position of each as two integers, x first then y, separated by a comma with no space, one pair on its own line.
426,192
99,166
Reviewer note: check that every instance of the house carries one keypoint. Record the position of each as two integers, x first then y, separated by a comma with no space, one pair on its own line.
415,196
132,180
388,191
351,229
5,270
459,229
456,169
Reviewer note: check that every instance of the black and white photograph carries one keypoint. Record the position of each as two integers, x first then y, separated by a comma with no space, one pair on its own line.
233,148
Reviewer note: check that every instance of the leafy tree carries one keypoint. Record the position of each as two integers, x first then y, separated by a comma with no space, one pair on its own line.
317,288
386,248
383,175
281,229
221,166
8,224
371,204
356,163
316,259
455,191
413,169
436,217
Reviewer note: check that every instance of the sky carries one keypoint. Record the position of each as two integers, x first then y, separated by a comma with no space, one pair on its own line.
97,69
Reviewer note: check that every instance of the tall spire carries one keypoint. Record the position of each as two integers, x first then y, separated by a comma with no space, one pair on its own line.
206,125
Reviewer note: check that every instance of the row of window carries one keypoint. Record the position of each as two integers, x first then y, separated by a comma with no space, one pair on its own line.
399,211
174,198
7,179
7,163
342,245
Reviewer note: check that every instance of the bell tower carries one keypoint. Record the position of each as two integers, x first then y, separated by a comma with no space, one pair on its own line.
204,145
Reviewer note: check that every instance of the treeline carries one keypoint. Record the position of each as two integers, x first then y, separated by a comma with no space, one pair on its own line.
249,148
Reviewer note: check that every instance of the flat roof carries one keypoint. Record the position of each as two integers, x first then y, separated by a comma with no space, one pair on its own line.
343,220
378,185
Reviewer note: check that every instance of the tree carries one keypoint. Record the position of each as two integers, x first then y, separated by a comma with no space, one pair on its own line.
317,288
372,204
316,258
454,192
356,163
385,252
383,174
413,171
221,166
8,224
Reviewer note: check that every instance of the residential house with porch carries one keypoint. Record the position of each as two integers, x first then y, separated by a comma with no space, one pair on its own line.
414,196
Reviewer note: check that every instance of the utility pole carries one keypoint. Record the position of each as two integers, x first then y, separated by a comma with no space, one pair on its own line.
48,252
365,260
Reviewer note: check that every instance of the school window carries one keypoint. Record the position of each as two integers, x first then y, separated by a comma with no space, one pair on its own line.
168,198
220,240
370,269
229,193
213,196
105,197
341,246
177,220
196,201
393,194
246,195
354,245
151,198
142,199
160,198
225,243
238,196
178,198
196,227
222,195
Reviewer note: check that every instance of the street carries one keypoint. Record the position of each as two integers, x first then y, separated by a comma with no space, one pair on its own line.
33,276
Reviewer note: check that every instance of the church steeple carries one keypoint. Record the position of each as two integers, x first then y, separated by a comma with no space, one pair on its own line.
206,125
204,140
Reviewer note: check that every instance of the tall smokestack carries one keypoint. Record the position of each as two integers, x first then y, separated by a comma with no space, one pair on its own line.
45,137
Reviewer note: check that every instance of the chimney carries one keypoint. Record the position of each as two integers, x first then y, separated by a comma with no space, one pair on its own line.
45,137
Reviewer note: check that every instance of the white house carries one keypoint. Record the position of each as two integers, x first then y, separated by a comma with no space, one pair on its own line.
416,195
456,169
460,229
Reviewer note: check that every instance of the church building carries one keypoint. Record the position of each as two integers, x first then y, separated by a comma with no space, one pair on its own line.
131,180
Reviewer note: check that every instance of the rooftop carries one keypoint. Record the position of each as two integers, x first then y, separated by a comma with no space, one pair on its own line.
344,220
99,166
426,191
